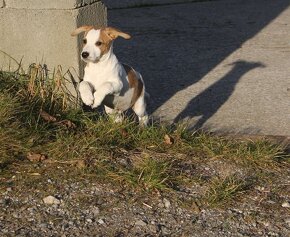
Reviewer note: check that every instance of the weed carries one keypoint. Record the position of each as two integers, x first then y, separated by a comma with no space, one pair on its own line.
224,190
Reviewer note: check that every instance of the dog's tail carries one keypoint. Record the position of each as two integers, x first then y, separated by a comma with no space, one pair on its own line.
146,95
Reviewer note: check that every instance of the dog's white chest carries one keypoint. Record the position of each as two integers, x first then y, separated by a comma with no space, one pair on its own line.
98,75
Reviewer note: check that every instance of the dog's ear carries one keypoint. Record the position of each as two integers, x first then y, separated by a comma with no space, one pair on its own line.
81,29
114,33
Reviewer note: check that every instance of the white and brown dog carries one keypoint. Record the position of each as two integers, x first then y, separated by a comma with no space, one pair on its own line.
107,81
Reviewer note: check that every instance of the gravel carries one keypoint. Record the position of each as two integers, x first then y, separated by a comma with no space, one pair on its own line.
92,209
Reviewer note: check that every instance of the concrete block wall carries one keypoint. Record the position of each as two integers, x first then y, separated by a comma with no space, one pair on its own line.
38,31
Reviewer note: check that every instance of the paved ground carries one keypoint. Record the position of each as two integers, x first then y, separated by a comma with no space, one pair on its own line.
222,65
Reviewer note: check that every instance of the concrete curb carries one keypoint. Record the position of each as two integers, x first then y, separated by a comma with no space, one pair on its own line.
116,4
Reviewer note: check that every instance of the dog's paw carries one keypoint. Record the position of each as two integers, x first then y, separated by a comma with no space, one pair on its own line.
88,99
96,104
98,99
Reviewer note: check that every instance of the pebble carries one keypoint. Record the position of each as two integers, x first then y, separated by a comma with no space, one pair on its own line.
165,230
271,202
96,211
288,221
89,220
152,228
51,200
285,204
140,223
101,222
167,203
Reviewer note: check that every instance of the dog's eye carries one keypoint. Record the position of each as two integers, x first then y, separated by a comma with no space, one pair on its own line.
84,41
99,43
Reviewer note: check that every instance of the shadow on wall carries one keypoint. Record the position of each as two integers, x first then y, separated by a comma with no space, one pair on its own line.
87,16
176,46
209,101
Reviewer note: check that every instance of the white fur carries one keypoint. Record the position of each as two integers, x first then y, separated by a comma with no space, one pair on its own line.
106,82
90,47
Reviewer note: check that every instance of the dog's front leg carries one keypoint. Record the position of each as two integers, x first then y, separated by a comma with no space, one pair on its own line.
86,92
100,94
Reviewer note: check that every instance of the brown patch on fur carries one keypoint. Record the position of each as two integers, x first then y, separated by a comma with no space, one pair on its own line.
134,82
107,35
81,29
114,33
106,42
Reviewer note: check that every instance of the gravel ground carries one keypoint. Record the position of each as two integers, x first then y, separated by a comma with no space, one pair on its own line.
84,207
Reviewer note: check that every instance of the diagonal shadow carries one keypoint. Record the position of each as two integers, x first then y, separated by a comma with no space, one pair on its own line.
176,46
209,101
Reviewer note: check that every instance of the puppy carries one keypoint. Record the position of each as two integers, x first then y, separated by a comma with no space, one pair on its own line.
106,81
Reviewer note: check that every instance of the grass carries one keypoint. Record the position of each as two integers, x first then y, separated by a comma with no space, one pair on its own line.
222,190
90,146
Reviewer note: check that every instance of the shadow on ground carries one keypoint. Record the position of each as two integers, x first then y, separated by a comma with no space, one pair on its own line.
207,103
176,46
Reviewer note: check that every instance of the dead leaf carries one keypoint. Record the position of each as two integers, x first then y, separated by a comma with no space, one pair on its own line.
47,117
123,132
34,157
66,123
168,139
81,164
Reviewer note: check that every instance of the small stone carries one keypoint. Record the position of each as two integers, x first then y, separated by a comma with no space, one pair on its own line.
160,205
9,189
51,200
101,222
152,228
89,220
165,231
167,203
96,211
271,202
272,234
266,224
285,204
140,223
43,225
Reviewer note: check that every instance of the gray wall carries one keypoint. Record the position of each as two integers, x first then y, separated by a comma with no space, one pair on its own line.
38,31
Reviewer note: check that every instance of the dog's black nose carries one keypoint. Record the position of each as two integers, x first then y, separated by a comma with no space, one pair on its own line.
85,54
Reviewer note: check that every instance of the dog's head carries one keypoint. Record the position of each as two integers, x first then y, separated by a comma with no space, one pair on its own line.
97,42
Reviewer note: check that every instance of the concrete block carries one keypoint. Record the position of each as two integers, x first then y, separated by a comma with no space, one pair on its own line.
38,31
45,4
